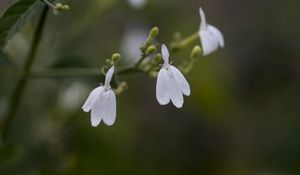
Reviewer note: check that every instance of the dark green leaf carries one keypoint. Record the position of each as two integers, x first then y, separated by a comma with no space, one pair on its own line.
15,17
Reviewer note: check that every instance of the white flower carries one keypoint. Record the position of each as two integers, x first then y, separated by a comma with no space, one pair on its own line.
102,103
171,84
211,37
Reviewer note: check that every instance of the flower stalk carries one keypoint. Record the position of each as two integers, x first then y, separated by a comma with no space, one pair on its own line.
184,42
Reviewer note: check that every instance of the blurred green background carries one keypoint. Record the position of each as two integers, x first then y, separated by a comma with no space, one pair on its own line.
243,117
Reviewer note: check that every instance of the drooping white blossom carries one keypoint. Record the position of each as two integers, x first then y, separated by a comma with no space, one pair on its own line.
102,103
171,84
211,37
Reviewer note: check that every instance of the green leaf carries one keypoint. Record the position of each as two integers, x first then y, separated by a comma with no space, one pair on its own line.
15,17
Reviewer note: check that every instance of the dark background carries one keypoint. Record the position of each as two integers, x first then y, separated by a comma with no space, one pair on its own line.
243,117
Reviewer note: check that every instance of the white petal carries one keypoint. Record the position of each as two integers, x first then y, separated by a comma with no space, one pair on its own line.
203,19
208,42
91,100
109,76
165,54
162,87
98,110
211,37
175,92
181,81
167,89
110,106
217,35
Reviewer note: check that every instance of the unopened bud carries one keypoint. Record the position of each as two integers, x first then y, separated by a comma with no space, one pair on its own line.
116,57
151,50
157,58
66,7
122,87
58,7
196,52
154,32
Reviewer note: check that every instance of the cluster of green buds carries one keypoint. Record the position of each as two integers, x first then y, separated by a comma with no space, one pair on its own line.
122,87
152,59
148,48
57,7
109,62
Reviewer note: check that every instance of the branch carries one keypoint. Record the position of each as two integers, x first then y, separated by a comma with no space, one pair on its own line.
23,79
77,72
185,42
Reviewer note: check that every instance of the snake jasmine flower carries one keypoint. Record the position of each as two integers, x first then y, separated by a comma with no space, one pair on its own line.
102,102
171,84
211,37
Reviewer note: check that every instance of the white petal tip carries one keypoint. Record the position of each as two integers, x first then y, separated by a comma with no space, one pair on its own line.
109,75
165,53
187,94
109,124
85,110
95,125
163,103
178,106
201,10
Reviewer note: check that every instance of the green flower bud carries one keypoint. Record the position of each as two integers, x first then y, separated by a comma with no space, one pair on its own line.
151,50
122,87
116,57
58,7
66,7
196,52
157,58
154,32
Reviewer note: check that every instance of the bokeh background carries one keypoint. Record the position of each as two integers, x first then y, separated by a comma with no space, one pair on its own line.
243,117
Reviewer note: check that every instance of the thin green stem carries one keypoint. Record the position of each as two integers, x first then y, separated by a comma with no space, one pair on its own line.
76,72
136,66
84,72
65,72
23,79
185,42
